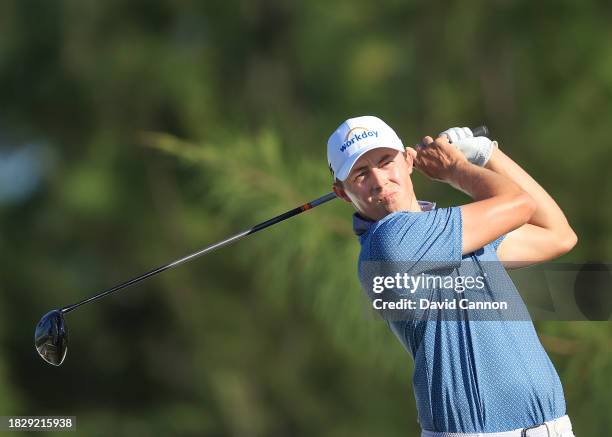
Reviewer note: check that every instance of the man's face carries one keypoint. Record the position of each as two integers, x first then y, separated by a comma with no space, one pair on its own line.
379,183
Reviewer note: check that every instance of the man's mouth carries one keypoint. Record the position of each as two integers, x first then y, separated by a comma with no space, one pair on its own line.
385,198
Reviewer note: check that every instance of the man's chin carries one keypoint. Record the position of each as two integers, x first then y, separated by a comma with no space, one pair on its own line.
390,209
386,206
392,205
383,209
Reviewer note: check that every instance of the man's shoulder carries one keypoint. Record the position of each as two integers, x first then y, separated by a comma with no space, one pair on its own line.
403,221
407,235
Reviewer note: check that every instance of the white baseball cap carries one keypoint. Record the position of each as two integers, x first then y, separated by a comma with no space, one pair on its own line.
355,137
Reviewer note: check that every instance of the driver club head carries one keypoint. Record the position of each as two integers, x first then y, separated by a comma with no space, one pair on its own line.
51,338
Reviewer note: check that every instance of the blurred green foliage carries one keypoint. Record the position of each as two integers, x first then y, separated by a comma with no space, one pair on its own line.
167,126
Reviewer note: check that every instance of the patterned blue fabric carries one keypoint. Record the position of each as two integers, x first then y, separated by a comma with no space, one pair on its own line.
469,376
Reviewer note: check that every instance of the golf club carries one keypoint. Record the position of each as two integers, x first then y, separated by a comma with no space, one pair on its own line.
51,334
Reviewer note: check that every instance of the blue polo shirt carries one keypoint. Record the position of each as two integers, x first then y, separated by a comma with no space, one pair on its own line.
470,376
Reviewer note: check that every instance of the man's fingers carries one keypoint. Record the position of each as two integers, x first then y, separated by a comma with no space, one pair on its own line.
443,139
428,140
412,152
424,142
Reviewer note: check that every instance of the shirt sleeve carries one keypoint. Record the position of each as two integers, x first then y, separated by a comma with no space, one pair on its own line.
495,243
419,236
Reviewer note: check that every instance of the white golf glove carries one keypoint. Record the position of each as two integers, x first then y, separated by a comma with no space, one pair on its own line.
477,150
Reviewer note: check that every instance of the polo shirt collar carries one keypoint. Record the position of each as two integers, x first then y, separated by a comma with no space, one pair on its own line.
362,225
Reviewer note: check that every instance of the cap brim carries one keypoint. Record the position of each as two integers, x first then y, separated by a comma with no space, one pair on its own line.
348,165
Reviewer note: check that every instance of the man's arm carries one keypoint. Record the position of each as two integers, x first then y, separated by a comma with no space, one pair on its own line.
501,204
546,235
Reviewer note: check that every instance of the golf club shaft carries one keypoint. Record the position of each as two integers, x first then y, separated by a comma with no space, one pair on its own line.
256,228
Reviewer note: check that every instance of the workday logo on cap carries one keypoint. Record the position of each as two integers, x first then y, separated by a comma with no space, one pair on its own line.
365,133
355,137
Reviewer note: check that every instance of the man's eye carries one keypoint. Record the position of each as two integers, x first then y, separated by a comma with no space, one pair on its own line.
387,163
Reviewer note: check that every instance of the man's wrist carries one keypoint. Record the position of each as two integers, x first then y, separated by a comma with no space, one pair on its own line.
494,163
458,172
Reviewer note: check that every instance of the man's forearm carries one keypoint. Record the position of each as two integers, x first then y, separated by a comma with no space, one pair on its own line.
548,214
481,183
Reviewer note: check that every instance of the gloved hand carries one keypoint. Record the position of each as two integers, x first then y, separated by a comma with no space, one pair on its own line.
477,150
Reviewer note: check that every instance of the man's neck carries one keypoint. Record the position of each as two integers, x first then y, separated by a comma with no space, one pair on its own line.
413,207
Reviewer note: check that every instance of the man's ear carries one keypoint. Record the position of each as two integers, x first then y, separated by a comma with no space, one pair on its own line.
411,154
339,190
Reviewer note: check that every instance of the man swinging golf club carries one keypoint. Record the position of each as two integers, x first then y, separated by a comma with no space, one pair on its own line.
471,377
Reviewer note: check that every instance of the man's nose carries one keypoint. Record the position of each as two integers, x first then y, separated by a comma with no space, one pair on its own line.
379,178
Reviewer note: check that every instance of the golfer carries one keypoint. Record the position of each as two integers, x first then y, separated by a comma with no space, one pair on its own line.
471,378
